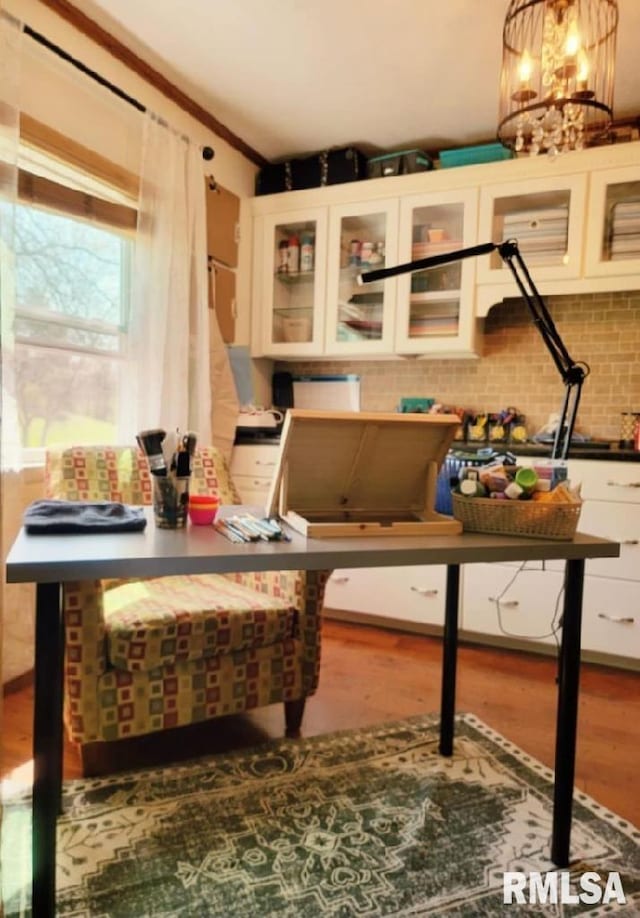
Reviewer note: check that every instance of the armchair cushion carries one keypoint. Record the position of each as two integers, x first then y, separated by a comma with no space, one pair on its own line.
166,620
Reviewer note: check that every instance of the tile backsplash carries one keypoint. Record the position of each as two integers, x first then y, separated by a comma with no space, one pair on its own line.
515,368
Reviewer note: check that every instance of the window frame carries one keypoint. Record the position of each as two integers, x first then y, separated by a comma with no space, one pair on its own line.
112,207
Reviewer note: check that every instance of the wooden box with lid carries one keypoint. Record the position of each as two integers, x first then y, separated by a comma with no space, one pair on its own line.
348,473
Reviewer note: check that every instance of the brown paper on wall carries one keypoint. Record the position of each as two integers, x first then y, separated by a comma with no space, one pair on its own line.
224,398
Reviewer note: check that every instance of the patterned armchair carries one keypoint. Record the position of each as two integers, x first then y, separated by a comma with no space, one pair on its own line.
146,655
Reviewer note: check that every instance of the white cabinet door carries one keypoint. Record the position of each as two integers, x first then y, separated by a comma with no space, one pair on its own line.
410,594
360,317
517,604
436,306
611,617
613,230
546,218
621,524
252,469
289,303
259,459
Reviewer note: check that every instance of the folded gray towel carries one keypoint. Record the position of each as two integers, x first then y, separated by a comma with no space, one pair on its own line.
44,517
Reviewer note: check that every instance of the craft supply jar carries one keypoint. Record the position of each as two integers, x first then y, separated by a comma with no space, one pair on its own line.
629,421
170,501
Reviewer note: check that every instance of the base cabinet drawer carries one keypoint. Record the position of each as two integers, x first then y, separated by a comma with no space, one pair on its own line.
254,459
252,469
609,481
415,594
252,490
611,617
511,603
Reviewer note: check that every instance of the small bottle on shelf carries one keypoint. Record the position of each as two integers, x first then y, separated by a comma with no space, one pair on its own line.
306,252
283,257
294,254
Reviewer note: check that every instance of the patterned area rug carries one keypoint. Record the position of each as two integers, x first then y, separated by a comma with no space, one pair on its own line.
364,823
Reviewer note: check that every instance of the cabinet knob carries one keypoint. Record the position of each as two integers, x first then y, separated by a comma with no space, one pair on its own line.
424,591
618,619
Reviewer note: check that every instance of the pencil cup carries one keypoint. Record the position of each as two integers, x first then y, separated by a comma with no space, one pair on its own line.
170,501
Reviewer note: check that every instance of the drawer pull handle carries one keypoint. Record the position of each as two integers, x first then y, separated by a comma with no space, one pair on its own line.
509,604
629,541
618,619
260,462
623,484
424,591
340,579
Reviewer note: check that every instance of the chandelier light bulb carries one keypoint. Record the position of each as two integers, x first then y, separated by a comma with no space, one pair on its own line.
558,69
525,68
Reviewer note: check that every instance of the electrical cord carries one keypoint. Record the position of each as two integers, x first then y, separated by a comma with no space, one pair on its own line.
556,619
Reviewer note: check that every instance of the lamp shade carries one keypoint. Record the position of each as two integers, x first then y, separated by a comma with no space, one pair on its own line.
556,90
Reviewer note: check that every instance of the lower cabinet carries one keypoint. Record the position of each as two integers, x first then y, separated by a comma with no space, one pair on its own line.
505,604
252,468
521,604
394,596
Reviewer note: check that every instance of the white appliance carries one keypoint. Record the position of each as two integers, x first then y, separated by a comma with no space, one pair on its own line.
328,393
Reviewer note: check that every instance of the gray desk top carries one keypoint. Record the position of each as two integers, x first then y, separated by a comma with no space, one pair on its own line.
200,549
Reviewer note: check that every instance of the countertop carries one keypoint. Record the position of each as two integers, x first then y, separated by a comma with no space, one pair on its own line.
596,450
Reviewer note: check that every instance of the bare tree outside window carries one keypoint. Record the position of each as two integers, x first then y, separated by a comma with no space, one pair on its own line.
70,328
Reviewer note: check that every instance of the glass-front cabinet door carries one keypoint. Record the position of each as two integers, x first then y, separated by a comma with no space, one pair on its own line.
293,267
362,237
545,216
435,311
613,232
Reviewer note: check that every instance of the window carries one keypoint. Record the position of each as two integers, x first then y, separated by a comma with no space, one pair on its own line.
70,328
73,244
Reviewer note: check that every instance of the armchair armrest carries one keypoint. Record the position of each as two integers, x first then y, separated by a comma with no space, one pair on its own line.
304,590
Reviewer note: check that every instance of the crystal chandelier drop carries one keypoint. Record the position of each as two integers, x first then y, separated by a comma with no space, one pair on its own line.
556,91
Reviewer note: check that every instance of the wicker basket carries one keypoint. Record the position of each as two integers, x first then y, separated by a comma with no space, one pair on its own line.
533,519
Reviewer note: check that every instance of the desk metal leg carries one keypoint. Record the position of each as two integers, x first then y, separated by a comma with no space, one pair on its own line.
567,718
47,745
449,658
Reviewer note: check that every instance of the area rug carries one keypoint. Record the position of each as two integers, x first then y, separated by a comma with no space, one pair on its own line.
372,822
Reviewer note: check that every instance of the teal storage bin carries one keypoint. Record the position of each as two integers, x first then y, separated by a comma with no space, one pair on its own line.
466,156
401,163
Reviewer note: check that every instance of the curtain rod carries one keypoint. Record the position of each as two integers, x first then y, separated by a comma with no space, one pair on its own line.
207,152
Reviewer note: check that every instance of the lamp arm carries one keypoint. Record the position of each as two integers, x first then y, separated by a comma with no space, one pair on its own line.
573,374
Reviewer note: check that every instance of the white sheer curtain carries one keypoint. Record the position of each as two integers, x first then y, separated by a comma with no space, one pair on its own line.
10,61
169,372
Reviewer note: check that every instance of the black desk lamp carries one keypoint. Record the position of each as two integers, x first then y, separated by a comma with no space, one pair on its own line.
573,374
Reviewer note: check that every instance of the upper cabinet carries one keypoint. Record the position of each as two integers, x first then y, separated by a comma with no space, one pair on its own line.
613,232
545,216
435,313
576,220
360,317
290,271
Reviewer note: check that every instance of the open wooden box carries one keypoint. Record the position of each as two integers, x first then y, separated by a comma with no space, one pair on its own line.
347,473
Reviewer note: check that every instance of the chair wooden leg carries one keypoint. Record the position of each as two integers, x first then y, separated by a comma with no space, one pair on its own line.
293,712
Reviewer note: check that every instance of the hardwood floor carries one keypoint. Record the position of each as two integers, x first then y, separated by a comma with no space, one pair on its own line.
370,675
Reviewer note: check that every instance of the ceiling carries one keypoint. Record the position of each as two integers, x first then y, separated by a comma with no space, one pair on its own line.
292,77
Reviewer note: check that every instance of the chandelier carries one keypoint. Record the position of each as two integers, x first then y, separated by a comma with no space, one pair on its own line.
556,90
